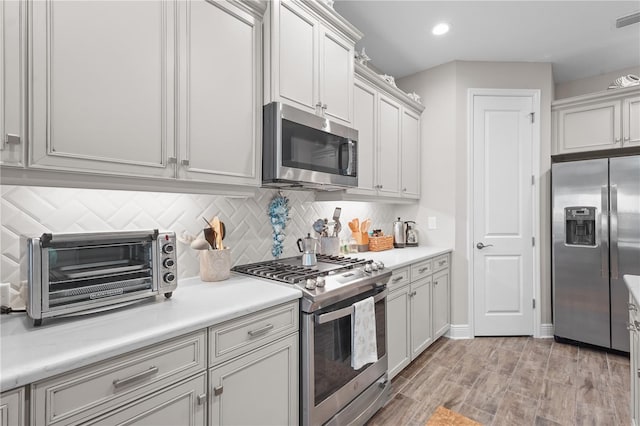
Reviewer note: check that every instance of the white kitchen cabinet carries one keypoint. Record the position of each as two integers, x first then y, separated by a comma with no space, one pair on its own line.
410,149
421,311
183,403
220,86
364,120
310,65
258,388
12,83
441,303
398,330
389,146
604,120
152,89
12,408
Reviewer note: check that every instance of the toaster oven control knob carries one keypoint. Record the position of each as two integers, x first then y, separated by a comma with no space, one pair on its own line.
169,277
311,284
320,281
168,248
169,263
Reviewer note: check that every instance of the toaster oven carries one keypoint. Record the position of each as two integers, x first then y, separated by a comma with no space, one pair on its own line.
81,273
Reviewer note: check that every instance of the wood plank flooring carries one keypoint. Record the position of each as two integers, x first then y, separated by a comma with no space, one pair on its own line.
511,381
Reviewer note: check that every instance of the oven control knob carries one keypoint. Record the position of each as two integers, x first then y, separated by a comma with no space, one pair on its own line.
169,263
374,266
320,281
168,248
311,284
380,266
367,268
169,277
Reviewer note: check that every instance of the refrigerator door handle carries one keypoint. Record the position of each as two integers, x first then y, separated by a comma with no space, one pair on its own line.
604,231
614,232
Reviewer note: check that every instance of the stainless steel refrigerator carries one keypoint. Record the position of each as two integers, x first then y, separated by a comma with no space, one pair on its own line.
596,240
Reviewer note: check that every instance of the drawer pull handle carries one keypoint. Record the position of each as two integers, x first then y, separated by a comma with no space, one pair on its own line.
217,391
254,333
202,398
396,279
425,269
143,375
442,262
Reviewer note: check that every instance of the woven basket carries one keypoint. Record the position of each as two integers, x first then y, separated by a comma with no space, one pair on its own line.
381,243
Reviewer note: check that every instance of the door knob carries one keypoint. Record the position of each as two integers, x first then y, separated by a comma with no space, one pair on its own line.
480,246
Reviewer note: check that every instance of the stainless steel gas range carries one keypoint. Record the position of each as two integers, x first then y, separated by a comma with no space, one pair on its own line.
332,392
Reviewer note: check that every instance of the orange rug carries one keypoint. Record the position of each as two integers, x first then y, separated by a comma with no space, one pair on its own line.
445,417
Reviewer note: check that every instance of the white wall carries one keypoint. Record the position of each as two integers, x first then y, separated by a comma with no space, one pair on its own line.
598,83
30,211
447,140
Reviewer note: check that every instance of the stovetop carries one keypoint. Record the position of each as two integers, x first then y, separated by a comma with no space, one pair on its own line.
332,279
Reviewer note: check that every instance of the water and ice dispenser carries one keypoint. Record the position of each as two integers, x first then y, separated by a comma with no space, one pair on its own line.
580,226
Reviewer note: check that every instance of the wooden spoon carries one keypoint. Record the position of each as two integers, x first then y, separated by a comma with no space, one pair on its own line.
210,236
217,228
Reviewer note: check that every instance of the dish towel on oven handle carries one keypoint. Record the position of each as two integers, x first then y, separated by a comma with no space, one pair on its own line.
363,334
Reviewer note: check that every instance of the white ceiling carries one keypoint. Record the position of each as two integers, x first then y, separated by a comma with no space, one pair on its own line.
578,37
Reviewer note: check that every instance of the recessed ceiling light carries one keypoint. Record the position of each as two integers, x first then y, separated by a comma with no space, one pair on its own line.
440,29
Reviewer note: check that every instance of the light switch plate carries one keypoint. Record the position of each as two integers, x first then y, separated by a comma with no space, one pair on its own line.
431,222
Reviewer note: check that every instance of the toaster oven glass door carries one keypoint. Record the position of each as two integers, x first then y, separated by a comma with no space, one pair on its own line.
92,272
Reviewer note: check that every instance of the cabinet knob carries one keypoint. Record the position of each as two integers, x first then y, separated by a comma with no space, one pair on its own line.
627,139
185,163
617,140
404,189
201,399
217,391
172,160
324,106
10,139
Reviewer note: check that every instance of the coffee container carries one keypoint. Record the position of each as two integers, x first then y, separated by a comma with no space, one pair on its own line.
398,234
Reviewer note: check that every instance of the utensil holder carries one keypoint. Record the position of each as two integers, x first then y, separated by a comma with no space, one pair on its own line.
215,265
330,246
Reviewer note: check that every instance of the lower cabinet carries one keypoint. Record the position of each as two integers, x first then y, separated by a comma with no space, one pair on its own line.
634,368
417,310
259,388
12,408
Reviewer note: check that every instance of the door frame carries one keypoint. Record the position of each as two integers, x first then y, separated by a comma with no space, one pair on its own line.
535,194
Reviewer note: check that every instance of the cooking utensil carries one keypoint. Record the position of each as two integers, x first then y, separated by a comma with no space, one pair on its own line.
337,226
211,237
217,228
364,232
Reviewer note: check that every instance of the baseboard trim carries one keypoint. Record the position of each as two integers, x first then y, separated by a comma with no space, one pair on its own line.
459,331
546,331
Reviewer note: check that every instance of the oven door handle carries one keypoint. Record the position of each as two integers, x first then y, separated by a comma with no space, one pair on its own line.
344,312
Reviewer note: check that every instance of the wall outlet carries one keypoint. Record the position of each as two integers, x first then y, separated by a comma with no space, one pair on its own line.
431,222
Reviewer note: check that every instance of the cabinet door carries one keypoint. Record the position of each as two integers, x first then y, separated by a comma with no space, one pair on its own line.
441,302
410,165
588,127
398,330
388,147
220,93
260,388
631,121
421,330
180,404
297,50
102,86
12,108
336,75
12,408
364,120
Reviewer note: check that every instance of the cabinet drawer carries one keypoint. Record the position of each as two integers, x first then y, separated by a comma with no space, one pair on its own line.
238,336
93,390
420,270
399,278
441,262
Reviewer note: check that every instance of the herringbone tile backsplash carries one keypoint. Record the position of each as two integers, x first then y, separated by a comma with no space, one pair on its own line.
30,211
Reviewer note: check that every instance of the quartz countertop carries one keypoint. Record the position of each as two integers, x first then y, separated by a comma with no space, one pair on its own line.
29,354
633,282
399,257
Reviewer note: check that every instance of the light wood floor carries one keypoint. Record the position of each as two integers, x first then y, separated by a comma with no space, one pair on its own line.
511,381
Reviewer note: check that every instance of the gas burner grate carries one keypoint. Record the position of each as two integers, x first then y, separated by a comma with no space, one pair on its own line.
275,270
341,260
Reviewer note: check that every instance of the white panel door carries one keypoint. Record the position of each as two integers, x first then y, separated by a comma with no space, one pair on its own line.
410,165
388,147
364,121
102,86
502,215
298,47
220,106
631,121
336,75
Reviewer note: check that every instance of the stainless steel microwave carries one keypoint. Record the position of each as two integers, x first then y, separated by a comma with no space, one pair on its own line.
80,273
303,150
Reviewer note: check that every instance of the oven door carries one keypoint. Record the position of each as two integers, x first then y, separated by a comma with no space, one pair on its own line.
329,382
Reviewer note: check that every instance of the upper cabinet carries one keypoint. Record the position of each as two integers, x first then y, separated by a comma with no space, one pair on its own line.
603,120
151,89
310,65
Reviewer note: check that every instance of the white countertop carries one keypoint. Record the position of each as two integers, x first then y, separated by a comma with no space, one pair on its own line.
28,353
633,282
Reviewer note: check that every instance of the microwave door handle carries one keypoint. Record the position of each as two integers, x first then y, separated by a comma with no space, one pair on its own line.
350,148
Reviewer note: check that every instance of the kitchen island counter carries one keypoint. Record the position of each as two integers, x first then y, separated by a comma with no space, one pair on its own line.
29,354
